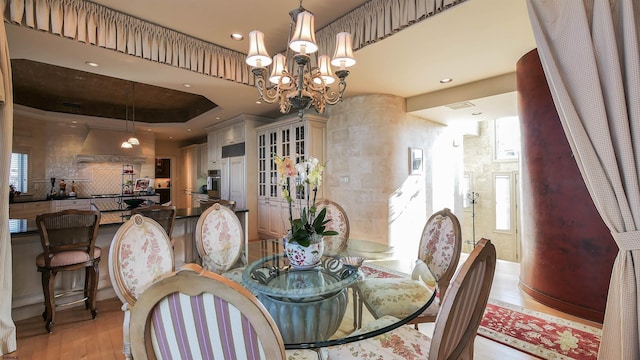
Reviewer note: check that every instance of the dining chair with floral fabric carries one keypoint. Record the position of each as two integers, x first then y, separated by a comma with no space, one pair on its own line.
455,327
140,253
197,314
438,256
339,222
220,242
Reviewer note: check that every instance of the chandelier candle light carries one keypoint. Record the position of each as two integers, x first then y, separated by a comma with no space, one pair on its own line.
307,83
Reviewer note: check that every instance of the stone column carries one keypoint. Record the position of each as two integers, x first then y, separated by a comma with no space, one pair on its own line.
567,251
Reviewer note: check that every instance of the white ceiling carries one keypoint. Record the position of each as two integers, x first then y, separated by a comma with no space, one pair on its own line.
475,40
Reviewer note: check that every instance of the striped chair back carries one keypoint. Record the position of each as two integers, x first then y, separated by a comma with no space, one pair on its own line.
197,314
464,304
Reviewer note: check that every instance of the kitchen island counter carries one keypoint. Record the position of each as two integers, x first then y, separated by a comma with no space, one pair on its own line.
27,296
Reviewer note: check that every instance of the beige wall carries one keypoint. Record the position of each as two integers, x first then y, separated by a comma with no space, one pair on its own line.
478,161
368,142
53,146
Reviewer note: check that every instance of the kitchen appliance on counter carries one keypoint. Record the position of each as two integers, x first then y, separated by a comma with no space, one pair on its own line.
213,183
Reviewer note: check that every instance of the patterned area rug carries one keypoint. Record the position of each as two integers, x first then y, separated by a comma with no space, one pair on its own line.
532,332
539,334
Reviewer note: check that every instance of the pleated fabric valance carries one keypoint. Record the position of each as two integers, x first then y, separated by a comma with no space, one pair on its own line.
94,24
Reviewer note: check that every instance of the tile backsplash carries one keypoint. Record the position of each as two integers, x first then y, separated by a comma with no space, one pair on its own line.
91,179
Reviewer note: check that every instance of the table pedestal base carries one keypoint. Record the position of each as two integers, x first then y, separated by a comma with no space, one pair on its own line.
312,321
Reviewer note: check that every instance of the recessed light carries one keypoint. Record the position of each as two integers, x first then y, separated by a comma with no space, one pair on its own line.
90,63
217,117
170,137
188,129
186,85
148,129
446,80
237,36
258,102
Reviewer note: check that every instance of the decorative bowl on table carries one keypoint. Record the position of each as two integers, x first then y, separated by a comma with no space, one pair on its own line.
352,261
133,203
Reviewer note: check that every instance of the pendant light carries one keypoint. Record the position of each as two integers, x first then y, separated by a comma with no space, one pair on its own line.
126,144
133,140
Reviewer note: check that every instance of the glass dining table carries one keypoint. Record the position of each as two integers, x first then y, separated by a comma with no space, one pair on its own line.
310,306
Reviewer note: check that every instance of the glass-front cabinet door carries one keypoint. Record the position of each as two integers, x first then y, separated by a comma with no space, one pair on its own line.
287,138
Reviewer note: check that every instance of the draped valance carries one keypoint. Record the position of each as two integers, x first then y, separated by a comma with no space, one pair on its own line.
97,25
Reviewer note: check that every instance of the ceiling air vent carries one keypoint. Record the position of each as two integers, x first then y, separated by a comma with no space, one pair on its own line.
460,105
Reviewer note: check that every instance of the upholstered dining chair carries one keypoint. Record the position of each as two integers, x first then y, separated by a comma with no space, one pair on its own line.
165,215
455,327
140,253
438,256
220,242
68,240
338,221
217,319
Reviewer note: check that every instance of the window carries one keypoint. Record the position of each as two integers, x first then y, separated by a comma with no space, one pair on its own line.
507,138
502,186
19,171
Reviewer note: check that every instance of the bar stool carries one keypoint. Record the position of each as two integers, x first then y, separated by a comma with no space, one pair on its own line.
68,240
165,215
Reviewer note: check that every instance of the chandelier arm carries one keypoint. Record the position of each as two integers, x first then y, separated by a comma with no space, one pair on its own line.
334,98
268,95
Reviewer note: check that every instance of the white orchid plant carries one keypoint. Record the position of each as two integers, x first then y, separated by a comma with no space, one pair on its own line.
306,176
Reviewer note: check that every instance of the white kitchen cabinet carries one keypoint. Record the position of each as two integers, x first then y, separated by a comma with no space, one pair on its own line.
214,149
233,134
290,137
243,188
237,181
79,204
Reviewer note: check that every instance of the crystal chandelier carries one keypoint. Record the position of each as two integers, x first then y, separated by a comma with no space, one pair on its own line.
307,82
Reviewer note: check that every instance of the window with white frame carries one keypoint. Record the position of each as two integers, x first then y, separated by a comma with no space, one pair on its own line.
502,188
19,171
507,138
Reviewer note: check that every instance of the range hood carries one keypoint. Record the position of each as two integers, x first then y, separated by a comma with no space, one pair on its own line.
104,146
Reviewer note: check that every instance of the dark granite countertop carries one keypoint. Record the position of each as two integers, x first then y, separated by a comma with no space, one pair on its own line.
18,200
25,227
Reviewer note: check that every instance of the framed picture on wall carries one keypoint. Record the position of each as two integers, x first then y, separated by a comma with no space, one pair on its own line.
415,161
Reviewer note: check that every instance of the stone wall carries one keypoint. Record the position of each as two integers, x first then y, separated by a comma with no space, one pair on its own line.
369,140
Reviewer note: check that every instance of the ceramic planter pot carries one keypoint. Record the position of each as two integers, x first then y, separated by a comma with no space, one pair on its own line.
304,257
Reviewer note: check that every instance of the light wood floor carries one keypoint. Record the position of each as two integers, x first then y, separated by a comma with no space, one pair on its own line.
76,336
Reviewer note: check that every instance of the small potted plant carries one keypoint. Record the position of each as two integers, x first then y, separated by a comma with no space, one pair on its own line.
304,239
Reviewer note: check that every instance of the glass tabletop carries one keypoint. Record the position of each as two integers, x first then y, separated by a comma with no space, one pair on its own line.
310,305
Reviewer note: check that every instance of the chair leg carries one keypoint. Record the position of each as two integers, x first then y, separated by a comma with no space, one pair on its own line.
93,273
48,280
355,298
360,306
126,342
87,283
